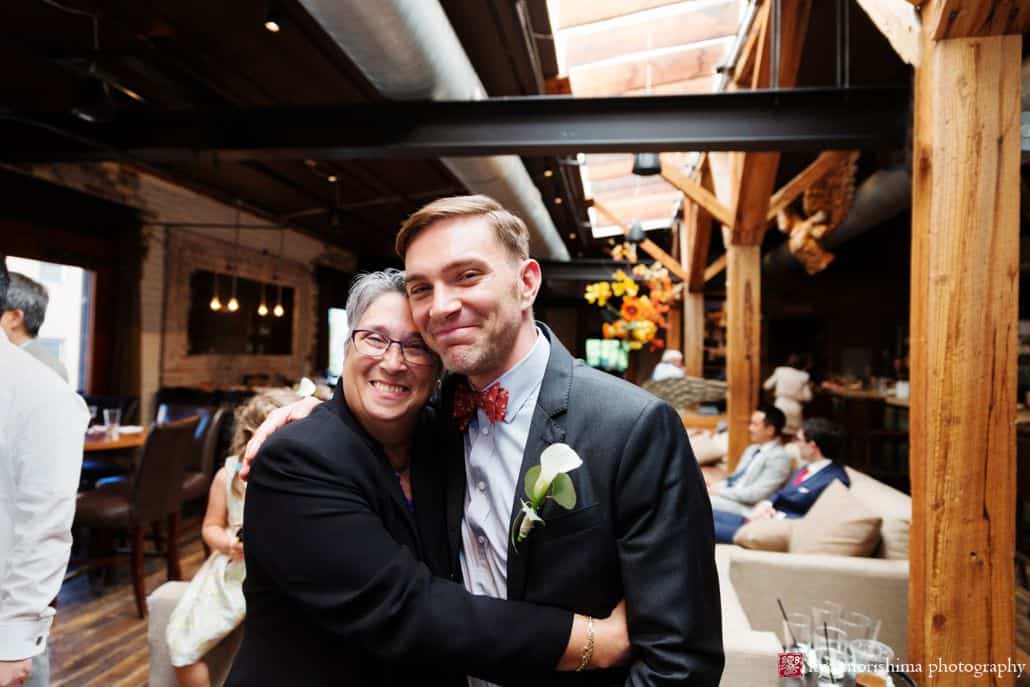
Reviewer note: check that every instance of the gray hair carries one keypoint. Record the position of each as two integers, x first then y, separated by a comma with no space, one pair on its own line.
31,298
671,355
366,288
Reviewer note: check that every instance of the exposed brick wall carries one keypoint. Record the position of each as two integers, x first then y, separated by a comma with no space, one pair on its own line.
177,250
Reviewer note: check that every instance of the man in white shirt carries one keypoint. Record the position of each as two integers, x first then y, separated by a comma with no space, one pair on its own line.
42,425
22,316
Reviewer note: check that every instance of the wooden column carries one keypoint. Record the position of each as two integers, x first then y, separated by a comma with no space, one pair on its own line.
965,279
674,332
743,333
694,333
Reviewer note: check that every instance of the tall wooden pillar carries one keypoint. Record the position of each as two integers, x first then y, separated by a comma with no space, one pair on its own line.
743,342
694,334
965,279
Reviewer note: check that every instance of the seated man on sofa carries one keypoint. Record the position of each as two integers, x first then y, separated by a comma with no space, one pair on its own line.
820,441
763,468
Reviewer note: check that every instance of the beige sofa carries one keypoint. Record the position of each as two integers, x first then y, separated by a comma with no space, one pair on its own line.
160,604
751,581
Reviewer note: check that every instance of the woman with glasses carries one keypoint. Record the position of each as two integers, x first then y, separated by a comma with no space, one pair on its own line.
345,518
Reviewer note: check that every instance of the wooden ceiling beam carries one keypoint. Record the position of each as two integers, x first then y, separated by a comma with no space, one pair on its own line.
899,22
647,245
696,192
717,266
754,174
746,62
975,18
800,183
697,226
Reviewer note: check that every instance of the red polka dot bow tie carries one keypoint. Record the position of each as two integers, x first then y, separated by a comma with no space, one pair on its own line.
493,401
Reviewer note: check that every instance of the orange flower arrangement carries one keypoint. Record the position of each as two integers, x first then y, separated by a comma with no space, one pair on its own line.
639,317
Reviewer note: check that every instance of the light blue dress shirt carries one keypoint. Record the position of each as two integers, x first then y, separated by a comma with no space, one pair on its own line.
493,459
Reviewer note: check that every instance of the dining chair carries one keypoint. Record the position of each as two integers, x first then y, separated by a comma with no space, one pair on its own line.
152,495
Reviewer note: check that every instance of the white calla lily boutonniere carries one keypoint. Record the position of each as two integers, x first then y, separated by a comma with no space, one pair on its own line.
550,479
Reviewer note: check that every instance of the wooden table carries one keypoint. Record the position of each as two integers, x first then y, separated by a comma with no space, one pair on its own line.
105,442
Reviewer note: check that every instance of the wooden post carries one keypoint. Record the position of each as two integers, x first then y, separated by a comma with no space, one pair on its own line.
693,333
965,284
743,339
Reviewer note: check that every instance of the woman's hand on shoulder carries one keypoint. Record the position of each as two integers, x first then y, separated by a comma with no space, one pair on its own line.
277,419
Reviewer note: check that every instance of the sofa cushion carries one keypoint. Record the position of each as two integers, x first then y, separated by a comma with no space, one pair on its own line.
765,535
890,504
838,523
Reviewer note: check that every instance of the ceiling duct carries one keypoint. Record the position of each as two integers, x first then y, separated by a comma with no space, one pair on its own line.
408,50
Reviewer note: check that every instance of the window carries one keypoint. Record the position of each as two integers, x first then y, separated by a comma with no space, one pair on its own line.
65,331
338,333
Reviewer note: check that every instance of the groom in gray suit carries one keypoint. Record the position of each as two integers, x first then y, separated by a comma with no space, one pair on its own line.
763,468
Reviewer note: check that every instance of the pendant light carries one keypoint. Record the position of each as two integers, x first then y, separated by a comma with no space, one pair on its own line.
278,310
233,305
216,302
263,308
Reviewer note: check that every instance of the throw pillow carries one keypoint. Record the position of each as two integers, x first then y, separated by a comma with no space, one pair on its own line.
765,535
838,523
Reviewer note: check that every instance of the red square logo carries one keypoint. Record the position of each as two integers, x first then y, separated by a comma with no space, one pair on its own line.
790,664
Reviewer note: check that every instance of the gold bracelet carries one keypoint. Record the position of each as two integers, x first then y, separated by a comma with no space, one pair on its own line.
588,650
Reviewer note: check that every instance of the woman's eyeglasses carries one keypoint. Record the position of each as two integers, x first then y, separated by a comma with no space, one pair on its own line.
376,345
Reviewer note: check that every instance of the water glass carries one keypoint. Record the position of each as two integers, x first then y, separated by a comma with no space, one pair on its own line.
797,630
870,657
112,419
827,613
857,625
831,666
92,414
825,636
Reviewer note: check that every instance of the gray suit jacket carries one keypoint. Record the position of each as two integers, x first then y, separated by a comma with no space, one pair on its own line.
749,483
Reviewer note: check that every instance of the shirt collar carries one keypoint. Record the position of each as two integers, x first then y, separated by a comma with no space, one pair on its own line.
769,445
525,377
817,466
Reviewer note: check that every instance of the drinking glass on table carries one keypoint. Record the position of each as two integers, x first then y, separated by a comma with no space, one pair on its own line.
112,420
831,665
857,625
826,613
825,636
797,630
870,658
92,414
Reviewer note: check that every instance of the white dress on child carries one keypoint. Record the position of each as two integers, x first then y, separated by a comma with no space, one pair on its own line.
213,604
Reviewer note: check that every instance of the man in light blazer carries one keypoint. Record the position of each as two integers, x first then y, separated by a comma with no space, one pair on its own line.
820,441
763,468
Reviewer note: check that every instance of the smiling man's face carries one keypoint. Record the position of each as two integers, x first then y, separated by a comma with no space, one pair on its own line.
470,297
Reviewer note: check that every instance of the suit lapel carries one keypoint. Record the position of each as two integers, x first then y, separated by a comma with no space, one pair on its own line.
547,427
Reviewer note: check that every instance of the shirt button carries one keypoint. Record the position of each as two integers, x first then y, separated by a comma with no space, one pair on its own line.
486,430
481,486
482,540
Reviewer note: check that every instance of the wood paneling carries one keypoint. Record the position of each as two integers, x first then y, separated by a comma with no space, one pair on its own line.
577,12
615,77
965,274
688,22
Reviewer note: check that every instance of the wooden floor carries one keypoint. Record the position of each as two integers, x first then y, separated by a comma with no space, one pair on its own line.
97,640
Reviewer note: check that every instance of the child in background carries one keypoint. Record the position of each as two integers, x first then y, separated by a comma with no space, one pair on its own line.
213,604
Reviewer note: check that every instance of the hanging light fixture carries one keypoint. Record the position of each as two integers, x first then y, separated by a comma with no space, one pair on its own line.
278,310
233,305
263,308
273,20
216,303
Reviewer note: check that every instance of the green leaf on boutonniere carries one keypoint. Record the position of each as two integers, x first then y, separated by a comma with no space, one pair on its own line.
547,479
563,491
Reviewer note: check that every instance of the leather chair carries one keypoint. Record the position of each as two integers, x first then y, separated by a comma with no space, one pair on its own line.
200,468
152,495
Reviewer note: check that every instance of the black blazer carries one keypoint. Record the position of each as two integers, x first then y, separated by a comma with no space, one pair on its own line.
641,529
336,593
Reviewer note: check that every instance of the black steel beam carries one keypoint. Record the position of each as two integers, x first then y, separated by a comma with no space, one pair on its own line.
788,120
